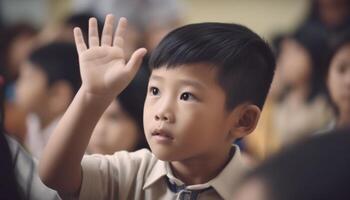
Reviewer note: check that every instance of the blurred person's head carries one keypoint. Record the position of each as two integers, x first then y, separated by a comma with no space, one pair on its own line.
303,61
148,21
132,40
295,62
159,17
314,169
63,31
155,32
77,20
49,80
120,127
15,44
332,13
338,78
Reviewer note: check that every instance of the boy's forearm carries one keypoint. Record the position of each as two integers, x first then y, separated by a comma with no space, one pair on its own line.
60,164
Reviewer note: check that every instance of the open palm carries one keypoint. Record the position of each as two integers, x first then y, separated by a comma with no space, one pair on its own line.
103,68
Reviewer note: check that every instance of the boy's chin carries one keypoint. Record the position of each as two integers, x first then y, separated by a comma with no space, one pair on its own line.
164,155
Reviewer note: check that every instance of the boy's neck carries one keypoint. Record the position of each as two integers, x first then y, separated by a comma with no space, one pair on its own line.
200,170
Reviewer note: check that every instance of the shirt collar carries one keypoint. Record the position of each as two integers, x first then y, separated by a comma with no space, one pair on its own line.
157,172
228,179
224,184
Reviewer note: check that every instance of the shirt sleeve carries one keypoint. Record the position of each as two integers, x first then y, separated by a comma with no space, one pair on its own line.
112,176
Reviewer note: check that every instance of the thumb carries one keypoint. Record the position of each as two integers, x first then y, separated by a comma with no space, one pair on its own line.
135,61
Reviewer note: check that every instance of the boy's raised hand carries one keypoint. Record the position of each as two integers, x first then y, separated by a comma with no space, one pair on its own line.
105,74
103,68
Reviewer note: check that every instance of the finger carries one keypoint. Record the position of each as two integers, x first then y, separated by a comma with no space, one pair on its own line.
135,61
120,32
107,32
119,42
93,33
79,40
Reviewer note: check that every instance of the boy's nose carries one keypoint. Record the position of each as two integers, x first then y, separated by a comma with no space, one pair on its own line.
167,117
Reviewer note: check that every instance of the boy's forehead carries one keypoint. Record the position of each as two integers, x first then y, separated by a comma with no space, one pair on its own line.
190,69
201,73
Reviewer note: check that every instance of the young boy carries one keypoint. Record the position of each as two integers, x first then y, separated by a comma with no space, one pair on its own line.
208,85
47,84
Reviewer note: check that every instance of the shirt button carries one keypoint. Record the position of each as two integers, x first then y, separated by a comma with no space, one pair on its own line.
185,195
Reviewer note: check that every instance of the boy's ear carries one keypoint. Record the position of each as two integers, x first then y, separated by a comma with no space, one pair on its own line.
61,95
245,119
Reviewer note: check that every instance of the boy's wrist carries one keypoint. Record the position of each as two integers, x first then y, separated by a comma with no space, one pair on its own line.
95,99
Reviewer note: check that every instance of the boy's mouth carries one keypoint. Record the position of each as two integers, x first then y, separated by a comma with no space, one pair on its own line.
162,134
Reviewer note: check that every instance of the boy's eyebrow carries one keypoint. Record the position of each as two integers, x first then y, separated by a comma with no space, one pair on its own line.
192,83
157,78
182,82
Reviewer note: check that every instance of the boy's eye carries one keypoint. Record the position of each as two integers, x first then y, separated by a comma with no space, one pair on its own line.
186,96
154,91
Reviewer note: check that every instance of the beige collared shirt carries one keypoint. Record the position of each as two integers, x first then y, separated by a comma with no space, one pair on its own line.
140,175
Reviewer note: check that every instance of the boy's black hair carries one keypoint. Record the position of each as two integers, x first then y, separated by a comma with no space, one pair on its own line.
59,61
245,62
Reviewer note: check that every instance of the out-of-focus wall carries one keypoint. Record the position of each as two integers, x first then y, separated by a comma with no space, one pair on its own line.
34,12
266,17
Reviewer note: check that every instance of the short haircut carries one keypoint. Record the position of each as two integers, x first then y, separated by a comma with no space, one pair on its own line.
244,61
59,61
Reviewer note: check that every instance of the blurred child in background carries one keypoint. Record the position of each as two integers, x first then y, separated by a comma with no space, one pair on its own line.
338,81
317,168
18,170
121,125
16,42
302,107
48,82
296,96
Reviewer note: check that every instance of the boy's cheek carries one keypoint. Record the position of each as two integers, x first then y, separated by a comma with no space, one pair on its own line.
147,116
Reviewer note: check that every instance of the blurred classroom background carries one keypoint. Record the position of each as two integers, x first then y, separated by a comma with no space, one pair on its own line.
266,17
300,32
